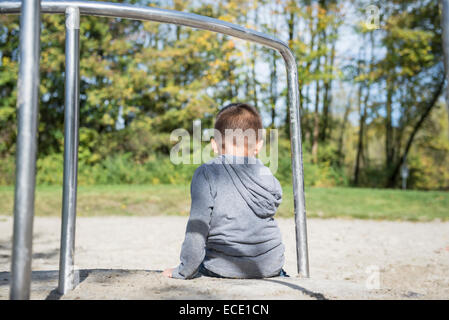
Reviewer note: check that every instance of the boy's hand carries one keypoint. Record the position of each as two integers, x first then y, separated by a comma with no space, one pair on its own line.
168,272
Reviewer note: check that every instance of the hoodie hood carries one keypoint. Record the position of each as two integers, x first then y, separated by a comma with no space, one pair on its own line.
255,182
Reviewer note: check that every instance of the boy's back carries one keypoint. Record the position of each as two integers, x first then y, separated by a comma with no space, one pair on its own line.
231,230
234,200
244,239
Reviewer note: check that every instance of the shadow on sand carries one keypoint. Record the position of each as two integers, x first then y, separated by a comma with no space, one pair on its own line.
52,276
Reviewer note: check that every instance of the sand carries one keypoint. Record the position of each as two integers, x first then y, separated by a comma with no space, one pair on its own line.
121,257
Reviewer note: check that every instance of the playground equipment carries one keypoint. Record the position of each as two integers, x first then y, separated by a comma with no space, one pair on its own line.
28,84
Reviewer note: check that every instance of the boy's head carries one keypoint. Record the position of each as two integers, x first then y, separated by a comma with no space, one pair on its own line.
238,130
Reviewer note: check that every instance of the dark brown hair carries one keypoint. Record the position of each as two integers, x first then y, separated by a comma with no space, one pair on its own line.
238,116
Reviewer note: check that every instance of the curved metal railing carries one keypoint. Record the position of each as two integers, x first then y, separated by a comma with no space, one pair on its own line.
27,102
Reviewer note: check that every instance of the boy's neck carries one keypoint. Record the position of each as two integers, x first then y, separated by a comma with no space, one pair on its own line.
236,155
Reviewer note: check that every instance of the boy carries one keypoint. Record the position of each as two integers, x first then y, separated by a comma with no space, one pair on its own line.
231,231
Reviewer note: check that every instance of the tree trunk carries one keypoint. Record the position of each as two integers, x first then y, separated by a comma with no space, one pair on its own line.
393,177
360,135
316,116
273,89
389,152
363,109
254,80
253,64
309,63
445,27
316,123
327,96
342,132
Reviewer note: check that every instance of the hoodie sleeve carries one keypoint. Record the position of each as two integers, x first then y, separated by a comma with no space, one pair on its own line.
193,247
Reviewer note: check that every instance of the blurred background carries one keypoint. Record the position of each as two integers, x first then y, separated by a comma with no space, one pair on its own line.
371,81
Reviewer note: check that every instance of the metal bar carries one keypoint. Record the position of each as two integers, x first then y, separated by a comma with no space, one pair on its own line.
27,102
445,27
126,11
71,134
134,12
302,256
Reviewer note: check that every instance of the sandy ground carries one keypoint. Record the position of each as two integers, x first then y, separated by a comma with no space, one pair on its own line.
121,258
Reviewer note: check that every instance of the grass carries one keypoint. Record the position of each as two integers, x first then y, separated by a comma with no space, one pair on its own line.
141,200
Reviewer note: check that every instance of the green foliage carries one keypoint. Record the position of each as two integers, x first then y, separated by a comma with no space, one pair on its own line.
7,167
323,174
429,160
117,169
49,170
141,80
132,168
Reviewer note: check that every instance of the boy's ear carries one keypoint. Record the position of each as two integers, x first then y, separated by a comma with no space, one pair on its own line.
214,145
259,146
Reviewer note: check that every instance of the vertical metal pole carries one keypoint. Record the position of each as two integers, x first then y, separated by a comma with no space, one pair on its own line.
297,166
71,128
445,27
27,102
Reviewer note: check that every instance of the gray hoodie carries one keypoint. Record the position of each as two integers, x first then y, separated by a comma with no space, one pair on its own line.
231,229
